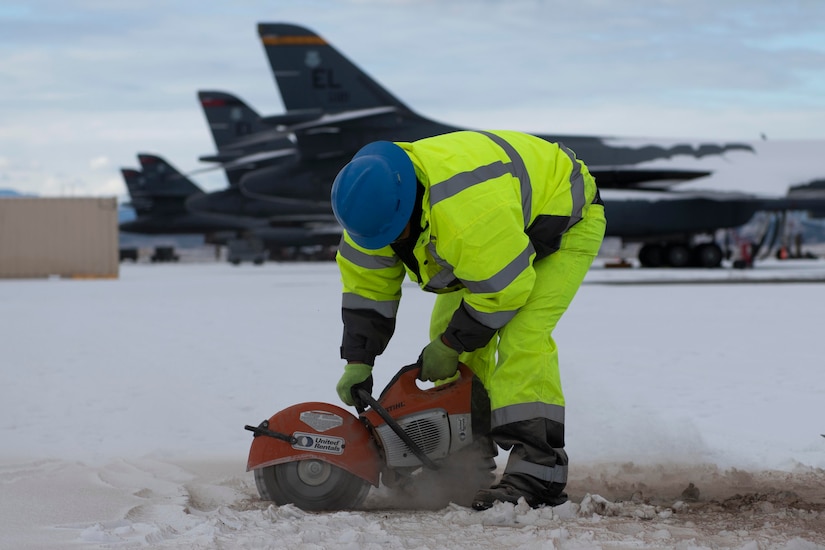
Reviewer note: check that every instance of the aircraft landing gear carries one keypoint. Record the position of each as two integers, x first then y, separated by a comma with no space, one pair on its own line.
652,255
678,254
708,255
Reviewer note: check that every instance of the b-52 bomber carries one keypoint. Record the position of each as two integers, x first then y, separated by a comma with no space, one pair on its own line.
280,168
334,108
351,109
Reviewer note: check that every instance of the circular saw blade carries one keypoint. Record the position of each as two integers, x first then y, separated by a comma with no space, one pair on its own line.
311,485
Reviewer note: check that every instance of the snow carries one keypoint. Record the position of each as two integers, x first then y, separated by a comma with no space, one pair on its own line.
768,171
123,404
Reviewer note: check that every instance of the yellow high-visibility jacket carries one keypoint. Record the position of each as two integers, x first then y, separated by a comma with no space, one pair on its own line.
493,203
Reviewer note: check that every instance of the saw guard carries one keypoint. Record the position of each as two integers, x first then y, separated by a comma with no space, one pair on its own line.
358,454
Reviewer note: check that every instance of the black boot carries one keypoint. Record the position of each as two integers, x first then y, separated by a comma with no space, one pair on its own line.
537,468
513,487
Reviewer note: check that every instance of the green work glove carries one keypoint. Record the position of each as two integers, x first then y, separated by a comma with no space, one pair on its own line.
356,375
438,361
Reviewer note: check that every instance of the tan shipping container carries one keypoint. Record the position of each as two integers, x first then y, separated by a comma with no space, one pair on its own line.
67,237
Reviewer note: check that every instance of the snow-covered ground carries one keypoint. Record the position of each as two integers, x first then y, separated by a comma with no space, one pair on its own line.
123,404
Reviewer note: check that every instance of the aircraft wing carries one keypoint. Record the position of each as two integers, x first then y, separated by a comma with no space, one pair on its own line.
244,160
326,120
628,177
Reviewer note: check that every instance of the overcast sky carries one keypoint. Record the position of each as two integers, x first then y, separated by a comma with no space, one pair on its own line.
86,84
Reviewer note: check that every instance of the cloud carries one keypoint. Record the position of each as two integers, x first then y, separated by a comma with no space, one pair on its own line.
98,163
88,79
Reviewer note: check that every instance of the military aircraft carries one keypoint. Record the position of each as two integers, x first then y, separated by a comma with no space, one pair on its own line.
334,108
338,108
160,196
312,75
341,108
280,167
230,119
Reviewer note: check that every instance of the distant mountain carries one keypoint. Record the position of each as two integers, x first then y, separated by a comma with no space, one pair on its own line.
13,193
125,213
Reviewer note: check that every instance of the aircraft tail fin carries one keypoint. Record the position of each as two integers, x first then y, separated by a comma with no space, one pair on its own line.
311,73
231,121
148,197
158,189
132,178
135,182
229,118
161,179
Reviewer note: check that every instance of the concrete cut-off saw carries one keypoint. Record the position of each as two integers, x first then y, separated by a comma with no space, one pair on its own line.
319,456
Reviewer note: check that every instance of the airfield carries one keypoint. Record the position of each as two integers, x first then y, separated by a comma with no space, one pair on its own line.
615,265
125,401
125,393
765,271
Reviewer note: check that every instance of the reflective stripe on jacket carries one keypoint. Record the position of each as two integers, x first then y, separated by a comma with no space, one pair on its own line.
493,202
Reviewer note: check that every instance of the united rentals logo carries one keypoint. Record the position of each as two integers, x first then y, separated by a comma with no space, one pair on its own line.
319,443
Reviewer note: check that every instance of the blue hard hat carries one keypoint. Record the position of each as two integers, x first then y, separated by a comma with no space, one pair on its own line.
373,195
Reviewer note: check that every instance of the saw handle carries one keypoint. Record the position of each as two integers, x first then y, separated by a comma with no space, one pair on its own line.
263,429
408,376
